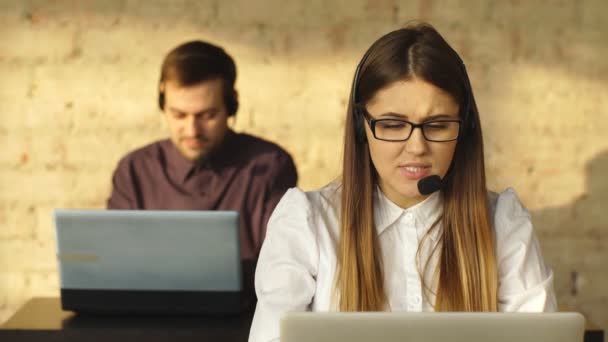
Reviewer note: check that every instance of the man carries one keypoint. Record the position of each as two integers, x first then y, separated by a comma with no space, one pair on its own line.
205,165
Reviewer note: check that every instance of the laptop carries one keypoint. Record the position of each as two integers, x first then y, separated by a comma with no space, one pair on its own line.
432,327
144,261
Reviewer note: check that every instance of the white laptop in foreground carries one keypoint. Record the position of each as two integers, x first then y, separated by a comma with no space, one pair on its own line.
149,261
432,327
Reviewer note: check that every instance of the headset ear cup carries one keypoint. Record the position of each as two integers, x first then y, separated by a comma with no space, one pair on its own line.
234,106
161,100
469,123
232,103
359,125
469,116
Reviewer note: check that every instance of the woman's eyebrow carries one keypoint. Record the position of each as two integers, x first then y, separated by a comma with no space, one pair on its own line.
393,115
440,116
428,118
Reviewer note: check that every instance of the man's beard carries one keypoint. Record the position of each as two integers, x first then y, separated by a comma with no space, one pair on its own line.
212,150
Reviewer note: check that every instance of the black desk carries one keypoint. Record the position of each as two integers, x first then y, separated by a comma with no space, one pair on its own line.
41,319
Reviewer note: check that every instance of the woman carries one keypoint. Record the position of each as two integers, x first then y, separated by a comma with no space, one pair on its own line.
383,238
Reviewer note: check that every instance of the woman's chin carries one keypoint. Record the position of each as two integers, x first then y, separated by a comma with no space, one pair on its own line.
405,196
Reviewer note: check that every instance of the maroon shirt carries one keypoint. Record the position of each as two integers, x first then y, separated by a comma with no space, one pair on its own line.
246,174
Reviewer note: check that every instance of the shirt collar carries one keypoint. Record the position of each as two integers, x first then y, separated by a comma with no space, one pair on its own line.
176,162
424,213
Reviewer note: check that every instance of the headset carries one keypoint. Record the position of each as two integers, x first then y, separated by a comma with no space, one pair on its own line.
469,120
212,56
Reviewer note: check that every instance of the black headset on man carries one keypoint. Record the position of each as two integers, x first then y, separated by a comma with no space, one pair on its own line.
214,57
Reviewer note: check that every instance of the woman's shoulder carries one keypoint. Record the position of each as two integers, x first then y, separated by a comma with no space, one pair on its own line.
298,200
507,203
302,219
510,216
328,195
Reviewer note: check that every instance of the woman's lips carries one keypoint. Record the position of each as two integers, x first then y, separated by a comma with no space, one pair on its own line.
414,171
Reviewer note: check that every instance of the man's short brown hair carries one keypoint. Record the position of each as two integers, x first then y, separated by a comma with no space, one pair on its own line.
195,62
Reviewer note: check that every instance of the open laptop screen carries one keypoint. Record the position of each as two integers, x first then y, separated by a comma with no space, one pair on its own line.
432,327
127,256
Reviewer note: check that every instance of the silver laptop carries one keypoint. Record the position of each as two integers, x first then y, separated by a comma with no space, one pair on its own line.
432,327
149,261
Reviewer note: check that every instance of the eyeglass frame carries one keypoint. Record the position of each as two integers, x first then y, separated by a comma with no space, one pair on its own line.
372,125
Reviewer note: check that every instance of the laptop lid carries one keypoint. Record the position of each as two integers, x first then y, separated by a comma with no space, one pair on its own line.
432,327
130,252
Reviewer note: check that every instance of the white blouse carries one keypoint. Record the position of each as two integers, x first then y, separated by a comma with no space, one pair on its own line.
297,265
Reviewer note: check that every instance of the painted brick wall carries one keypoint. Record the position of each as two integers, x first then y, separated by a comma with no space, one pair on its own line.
78,90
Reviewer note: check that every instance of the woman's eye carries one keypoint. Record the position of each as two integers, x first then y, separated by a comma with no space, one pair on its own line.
437,126
392,125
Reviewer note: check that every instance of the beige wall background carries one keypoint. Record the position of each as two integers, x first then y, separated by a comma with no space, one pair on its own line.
78,90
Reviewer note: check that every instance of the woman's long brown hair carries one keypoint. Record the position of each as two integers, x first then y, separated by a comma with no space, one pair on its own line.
467,275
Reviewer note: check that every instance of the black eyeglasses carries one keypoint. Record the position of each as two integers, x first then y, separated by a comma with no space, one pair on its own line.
441,130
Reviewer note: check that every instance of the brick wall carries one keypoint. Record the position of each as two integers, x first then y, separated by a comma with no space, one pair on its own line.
78,90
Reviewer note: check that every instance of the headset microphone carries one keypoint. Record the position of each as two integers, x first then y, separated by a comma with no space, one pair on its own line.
430,184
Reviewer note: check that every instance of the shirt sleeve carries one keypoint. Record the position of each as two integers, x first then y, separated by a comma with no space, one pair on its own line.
123,188
525,283
283,177
287,267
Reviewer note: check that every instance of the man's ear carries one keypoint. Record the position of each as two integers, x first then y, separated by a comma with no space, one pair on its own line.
231,121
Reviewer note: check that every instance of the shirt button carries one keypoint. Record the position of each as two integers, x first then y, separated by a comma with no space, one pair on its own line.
415,300
409,216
